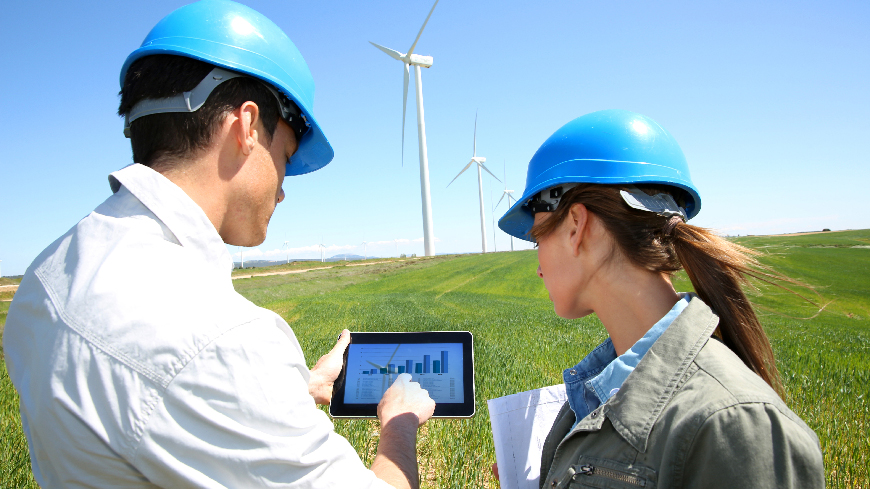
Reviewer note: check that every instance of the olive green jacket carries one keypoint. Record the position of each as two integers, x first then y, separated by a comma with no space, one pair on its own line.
690,415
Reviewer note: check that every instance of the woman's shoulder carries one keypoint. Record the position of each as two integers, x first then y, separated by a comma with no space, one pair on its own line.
719,385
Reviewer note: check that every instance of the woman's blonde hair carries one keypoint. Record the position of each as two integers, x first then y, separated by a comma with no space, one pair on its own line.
716,267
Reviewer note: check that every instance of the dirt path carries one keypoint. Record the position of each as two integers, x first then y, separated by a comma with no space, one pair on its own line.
287,272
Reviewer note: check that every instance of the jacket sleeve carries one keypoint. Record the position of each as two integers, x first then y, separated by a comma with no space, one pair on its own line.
239,415
763,447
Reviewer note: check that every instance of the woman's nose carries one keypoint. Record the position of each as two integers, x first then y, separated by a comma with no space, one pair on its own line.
540,274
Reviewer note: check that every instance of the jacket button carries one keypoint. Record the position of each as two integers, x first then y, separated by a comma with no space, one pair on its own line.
572,372
553,484
594,413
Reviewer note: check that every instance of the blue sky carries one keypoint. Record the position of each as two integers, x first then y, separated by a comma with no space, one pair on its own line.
769,101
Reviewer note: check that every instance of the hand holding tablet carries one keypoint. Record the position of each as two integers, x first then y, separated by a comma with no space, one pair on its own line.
442,363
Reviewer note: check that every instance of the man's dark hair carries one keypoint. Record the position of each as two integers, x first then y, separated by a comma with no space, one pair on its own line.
181,135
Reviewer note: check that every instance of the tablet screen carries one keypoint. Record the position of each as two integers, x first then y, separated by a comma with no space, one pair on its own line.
372,369
442,362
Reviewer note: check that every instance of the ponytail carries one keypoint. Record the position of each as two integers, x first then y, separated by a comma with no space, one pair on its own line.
716,267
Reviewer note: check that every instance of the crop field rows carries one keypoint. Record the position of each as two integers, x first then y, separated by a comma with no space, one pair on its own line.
521,344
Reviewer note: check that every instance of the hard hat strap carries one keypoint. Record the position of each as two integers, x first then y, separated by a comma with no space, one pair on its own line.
548,200
192,101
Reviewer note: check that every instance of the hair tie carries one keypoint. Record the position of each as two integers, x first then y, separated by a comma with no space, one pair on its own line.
672,224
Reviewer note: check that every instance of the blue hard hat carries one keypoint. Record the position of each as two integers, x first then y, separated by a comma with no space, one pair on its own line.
238,38
605,147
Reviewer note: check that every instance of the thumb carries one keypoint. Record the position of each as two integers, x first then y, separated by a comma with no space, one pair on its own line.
343,341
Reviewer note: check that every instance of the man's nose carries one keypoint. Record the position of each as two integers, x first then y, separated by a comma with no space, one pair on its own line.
281,195
540,273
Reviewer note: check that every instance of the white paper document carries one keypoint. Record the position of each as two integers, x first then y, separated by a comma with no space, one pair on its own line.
520,423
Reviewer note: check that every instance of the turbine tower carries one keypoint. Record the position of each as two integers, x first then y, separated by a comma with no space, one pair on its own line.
322,248
510,197
408,59
478,160
286,246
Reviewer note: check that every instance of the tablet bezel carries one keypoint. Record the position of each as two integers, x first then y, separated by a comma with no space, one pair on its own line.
466,409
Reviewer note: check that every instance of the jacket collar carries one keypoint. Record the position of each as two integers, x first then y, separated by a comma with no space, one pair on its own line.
648,389
178,212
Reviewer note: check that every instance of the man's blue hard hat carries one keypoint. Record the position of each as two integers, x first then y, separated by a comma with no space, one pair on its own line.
605,147
238,38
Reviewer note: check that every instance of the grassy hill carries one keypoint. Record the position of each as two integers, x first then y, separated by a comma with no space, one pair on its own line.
521,344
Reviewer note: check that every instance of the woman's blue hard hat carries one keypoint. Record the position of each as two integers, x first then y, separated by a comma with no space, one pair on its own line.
611,147
240,39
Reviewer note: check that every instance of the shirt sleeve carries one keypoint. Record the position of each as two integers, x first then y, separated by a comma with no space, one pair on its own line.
239,415
753,446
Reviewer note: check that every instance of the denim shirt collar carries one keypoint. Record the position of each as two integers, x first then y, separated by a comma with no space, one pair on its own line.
594,380
640,402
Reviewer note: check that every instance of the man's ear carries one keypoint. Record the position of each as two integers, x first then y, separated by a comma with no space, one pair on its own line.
577,221
247,118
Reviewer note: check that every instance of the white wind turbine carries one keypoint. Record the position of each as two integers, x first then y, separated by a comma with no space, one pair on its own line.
322,248
417,61
509,194
286,246
478,160
365,250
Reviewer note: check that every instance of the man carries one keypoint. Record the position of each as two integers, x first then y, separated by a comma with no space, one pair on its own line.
137,363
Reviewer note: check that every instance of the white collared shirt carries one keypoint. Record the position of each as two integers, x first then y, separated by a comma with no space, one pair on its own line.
138,365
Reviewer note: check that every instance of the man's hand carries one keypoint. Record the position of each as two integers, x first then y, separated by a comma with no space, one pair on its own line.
326,370
404,407
405,397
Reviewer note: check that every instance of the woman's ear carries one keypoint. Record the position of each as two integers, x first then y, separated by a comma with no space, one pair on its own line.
577,222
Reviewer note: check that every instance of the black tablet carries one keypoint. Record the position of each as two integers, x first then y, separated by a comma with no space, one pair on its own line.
441,361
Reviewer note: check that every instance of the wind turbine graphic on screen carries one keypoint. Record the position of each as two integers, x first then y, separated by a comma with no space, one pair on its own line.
509,194
408,59
384,384
478,160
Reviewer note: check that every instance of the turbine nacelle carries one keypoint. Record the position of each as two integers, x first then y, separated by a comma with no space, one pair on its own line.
419,60
479,159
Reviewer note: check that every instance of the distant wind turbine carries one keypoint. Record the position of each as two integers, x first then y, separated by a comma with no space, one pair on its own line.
417,61
478,160
365,250
322,248
286,246
509,194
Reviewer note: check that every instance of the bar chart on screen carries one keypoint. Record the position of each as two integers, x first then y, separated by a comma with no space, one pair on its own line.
372,369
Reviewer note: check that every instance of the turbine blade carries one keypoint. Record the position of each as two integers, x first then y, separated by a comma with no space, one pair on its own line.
499,202
404,110
410,51
460,173
487,170
504,173
391,52
475,134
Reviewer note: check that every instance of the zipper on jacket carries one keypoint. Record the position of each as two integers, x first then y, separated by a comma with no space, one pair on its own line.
591,470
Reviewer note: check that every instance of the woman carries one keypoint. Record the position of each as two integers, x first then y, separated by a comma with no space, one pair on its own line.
685,391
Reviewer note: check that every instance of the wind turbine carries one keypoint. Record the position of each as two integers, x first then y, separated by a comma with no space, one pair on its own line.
478,160
365,250
322,248
417,61
397,247
286,246
509,194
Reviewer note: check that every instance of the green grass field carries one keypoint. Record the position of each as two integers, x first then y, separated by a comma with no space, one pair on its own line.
521,344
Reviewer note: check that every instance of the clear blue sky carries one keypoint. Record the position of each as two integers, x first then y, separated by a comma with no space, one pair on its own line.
769,101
